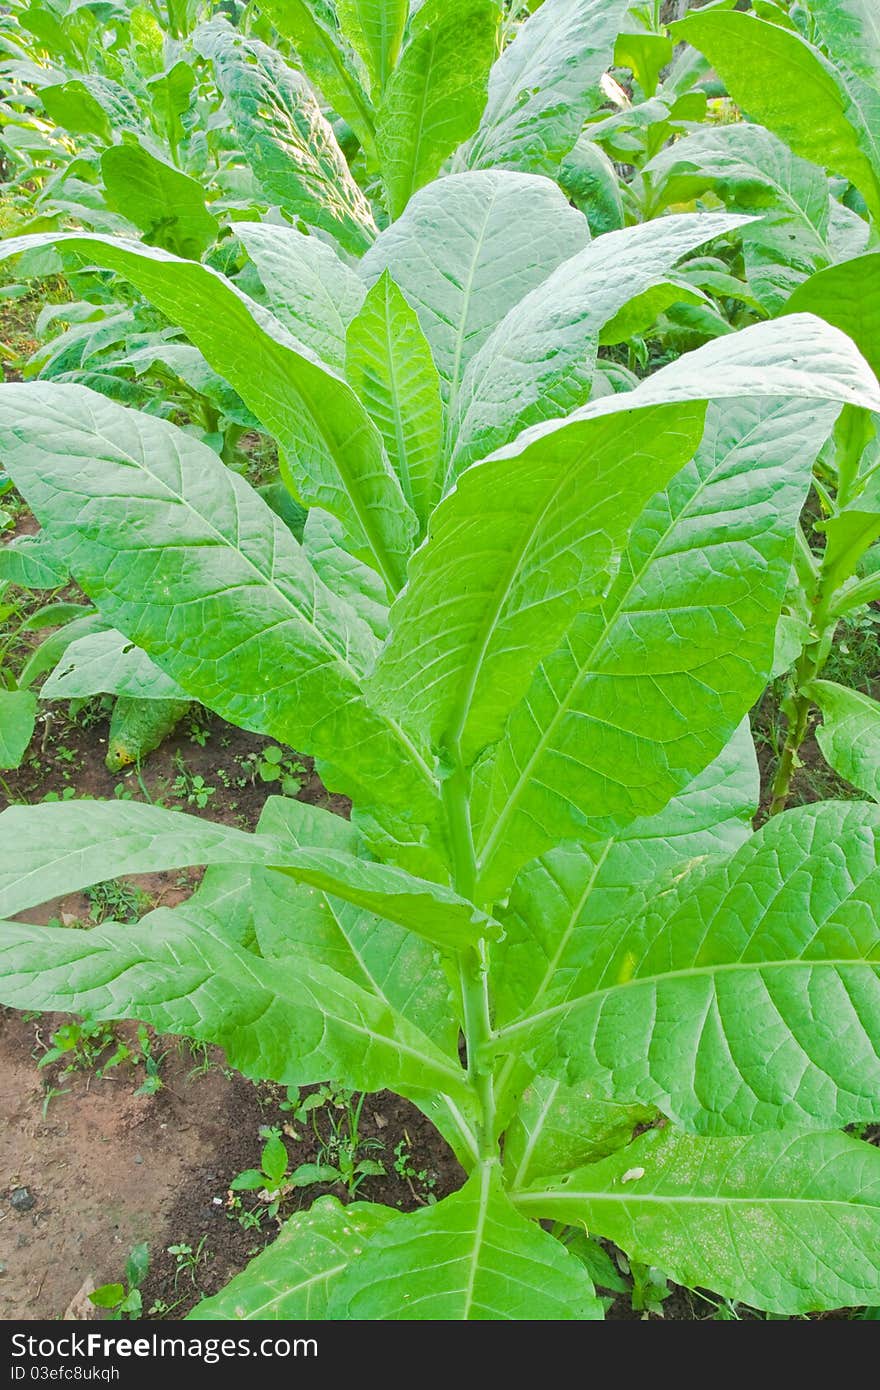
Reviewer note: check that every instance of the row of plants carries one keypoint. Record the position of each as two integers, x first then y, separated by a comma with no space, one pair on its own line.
553,331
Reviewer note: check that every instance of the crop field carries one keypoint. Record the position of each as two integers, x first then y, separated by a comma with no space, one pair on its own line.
439,672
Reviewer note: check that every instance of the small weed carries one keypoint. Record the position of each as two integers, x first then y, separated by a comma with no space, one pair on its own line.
191,787
117,901
410,1174
124,1300
187,1260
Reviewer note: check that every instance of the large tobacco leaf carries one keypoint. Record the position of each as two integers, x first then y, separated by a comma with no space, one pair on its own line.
787,1222
542,86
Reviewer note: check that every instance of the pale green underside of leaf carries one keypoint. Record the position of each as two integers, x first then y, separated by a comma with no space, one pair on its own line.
108,663
31,562
231,610
180,975
786,1222
332,449
849,734
467,249
389,364
309,288
289,146
812,110
542,86
538,363
747,996
61,850
18,710
644,692
433,100
469,1257
293,1278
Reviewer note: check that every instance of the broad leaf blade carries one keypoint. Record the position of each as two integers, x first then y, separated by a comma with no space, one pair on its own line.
470,1257
812,111
645,692
747,996
374,28
848,296
538,363
325,62
18,712
542,86
850,30
557,1128
332,450
466,250
181,976
389,364
790,1223
433,100
167,205
295,1276
849,734
107,663
232,610
310,288
290,147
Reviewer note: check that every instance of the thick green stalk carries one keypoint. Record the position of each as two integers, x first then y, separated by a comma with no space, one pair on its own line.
473,962
808,666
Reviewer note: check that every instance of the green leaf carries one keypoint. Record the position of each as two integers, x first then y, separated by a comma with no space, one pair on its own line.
333,452
137,1264
292,920
687,630
389,364
289,146
60,849
850,30
645,55
849,734
812,110
752,171
526,540
251,1180
469,1257
466,250
538,363
274,1160
545,83
18,713
350,579
294,1027
433,99
232,610
107,663
747,996
167,205
789,1223
31,562
374,28
848,296
324,62
309,287
307,1174
293,1278
557,1128
107,1296
562,904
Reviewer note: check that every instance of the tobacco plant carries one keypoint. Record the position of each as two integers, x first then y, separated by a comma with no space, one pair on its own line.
521,633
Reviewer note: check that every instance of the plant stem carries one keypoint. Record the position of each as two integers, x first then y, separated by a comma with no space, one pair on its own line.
473,961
